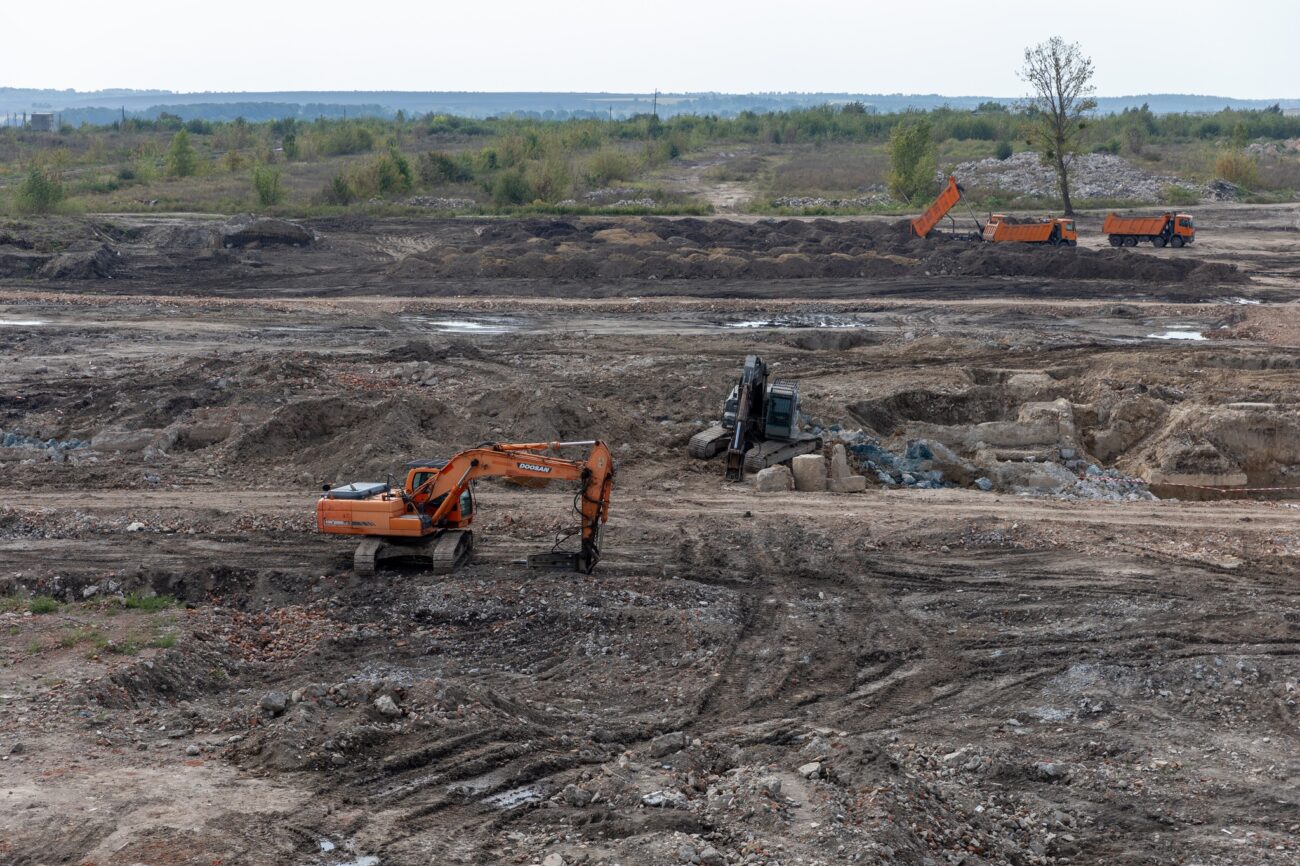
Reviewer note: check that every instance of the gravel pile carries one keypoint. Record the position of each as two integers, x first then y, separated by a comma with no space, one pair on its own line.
436,203
802,201
1094,175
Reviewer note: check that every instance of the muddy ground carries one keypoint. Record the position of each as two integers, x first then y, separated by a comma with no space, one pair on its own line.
190,674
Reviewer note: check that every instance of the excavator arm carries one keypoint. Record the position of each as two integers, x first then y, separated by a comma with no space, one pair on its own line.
595,474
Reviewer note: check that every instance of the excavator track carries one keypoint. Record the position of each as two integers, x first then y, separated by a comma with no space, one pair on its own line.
709,442
366,557
774,451
451,550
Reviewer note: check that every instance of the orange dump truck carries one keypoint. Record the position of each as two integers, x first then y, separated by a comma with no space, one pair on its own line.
1176,230
1004,229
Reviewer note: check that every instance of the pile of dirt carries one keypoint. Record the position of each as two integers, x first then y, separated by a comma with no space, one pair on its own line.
691,249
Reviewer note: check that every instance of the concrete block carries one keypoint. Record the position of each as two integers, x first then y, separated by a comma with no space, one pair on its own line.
851,484
774,479
809,473
840,462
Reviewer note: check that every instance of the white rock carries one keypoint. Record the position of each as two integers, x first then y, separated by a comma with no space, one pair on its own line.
811,770
809,473
774,479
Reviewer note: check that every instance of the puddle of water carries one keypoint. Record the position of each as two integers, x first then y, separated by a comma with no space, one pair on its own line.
1177,335
516,797
22,323
798,321
465,326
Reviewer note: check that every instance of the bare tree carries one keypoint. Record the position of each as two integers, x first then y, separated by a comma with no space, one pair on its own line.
1061,79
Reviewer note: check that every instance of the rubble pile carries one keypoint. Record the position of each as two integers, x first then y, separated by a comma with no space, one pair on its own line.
1093,175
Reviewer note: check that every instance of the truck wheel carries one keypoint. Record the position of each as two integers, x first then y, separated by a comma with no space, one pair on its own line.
1115,240
1073,243
1130,241
1178,242
1157,242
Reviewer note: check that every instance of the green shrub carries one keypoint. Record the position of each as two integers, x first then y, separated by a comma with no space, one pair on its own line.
1111,146
1004,150
608,165
347,138
1238,167
511,187
1179,196
266,181
437,168
43,604
912,160
289,144
549,179
40,192
181,161
337,192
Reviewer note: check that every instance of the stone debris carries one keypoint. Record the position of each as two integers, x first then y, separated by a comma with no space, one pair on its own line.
438,203
1093,175
774,479
809,473
666,744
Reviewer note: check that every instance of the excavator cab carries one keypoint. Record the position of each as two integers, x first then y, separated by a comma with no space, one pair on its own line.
782,410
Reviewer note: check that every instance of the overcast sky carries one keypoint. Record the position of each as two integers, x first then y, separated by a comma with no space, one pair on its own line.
1243,49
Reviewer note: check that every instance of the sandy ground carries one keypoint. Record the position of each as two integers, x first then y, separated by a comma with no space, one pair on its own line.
899,676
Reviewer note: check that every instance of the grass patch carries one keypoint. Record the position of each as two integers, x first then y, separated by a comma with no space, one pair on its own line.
148,603
43,604
80,635
166,640
34,646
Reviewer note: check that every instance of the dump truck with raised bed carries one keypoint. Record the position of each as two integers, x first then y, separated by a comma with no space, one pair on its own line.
759,427
952,192
1058,231
427,518
1168,229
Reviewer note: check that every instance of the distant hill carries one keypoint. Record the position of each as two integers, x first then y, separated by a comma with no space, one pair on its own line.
104,106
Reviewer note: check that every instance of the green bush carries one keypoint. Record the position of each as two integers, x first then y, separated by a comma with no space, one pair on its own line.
1179,196
181,161
266,181
1238,167
511,187
437,168
608,165
549,179
1111,146
337,192
347,138
912,159
1004,150
40,192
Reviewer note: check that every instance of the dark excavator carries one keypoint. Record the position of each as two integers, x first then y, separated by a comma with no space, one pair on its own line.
760,424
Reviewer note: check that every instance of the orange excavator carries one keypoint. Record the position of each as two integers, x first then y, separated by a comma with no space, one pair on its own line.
428,518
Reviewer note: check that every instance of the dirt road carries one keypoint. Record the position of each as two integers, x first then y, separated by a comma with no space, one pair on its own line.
1048,672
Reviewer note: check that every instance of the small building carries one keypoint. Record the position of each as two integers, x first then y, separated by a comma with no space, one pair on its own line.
42,122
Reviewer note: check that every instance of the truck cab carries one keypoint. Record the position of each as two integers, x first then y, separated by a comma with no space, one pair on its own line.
1185,227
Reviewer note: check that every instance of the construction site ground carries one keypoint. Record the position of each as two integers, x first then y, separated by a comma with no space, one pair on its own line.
943,676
